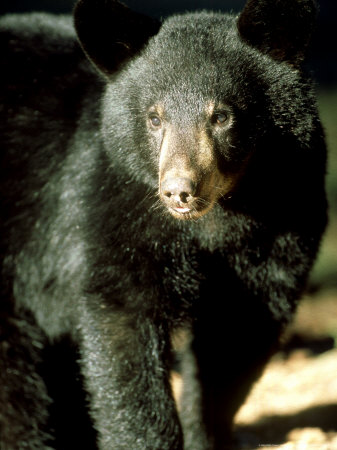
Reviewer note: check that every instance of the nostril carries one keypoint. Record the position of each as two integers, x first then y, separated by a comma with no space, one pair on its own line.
168,194
178,189
184,196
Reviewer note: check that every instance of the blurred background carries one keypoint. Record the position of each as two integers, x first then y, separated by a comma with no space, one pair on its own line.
295,404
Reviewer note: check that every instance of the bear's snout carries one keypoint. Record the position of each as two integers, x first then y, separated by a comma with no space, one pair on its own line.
185,195
178,194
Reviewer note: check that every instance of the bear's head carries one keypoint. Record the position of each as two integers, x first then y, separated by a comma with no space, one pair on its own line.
188,100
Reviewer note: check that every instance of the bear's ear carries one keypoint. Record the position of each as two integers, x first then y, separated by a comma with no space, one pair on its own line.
110,33
280,28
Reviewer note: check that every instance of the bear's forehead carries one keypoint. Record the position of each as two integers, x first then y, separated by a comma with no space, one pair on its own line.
194,36
200,57
203,49
182,63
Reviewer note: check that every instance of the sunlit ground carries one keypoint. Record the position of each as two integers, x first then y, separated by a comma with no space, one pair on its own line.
294,404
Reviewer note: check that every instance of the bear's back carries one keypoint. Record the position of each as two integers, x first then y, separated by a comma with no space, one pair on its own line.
46,84
43,71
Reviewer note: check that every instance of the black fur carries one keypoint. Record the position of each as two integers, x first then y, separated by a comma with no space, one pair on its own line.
93,262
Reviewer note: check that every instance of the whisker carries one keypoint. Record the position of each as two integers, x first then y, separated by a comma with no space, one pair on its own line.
203,201
156,205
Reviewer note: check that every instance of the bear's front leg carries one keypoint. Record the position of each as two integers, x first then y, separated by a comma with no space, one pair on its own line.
124,362
233,337
24,400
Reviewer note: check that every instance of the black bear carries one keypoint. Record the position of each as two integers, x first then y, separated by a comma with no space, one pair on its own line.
156,178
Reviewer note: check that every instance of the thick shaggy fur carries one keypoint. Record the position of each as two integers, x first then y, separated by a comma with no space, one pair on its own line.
97,274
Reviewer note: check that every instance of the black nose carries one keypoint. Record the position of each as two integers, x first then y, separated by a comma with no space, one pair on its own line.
178,189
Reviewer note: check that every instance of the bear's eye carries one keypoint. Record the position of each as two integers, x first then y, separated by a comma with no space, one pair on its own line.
220,118
155,121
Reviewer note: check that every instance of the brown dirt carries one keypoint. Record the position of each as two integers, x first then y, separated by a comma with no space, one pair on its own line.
294,404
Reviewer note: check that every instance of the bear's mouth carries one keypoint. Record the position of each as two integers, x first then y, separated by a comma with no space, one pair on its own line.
195,209
182,210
